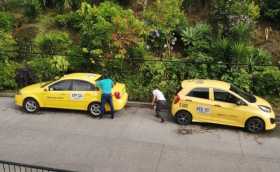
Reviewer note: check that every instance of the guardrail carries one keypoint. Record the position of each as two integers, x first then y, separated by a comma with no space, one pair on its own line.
6,166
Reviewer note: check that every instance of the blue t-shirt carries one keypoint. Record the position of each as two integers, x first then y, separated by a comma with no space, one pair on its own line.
105,85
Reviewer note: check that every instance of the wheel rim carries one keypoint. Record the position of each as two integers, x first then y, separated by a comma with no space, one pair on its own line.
31,106
182,118
95,109
255,126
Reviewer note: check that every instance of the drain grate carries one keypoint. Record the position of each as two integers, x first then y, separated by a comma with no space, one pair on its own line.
184,131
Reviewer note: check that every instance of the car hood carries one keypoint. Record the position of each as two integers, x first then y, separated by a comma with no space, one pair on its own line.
261,101
32,88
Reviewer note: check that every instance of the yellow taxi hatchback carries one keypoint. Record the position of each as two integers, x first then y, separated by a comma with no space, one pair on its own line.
219,102
75,91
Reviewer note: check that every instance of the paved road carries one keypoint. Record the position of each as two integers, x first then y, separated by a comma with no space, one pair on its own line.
134,141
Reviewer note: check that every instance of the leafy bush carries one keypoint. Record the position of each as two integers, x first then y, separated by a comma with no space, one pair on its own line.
110,28
24,77
6,21
267,82
7,74
32,8
227,15
53,42
163,30
49,68
70,20
7,46
241,78
270,10
196,38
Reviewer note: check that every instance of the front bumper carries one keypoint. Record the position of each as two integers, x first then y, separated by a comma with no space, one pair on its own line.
19,100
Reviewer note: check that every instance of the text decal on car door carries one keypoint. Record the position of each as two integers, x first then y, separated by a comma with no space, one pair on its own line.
203,109
76,96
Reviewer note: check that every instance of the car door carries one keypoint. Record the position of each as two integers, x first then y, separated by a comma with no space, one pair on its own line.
225,108
57,94
199,104
83,93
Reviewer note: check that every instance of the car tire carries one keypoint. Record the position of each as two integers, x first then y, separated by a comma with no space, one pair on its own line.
183,117
30,105
94,110
255,125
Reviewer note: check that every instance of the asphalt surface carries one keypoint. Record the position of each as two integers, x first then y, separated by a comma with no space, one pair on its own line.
133,141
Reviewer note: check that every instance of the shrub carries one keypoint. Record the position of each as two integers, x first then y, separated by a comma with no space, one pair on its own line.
110,28
7,74
196,38
241,78
6,21
227,15
32,8
7,46
49,68
267,82
53,42
70,20
24,77
270,10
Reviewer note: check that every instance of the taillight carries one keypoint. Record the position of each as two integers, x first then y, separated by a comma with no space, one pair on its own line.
117,95
177,99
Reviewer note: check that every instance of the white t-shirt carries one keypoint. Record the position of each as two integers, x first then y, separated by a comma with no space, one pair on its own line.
158,95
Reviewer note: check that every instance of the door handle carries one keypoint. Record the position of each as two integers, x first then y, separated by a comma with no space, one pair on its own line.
218,105
188,100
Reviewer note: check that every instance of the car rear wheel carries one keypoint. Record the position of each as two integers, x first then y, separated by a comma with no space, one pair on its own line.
95,110
255,125
30,105
183,118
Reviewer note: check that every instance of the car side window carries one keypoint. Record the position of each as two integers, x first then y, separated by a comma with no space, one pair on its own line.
79,85
202,93
61,86
223,96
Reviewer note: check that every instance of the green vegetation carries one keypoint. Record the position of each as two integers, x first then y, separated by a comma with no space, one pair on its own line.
127,38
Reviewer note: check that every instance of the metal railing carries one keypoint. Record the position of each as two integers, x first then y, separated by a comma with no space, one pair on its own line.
7,166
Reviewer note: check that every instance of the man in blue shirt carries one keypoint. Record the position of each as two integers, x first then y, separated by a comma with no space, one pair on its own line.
106,85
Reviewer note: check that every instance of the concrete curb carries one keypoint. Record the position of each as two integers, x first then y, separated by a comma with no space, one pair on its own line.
7,94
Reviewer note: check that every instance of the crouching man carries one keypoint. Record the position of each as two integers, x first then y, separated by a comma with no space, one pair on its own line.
159,103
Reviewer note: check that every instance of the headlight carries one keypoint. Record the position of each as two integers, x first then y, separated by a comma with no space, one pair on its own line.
264,108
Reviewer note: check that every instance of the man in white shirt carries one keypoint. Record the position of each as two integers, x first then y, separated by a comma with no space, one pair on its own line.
159,103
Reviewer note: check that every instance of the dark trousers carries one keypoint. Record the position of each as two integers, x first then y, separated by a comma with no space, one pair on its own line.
107,98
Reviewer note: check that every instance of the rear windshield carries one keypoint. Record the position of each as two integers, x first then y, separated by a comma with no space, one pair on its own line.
247,96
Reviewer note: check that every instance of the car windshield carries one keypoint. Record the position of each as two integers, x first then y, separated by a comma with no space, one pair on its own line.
46,83
247,96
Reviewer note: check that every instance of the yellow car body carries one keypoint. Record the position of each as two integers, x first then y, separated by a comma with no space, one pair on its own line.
218,102
74,91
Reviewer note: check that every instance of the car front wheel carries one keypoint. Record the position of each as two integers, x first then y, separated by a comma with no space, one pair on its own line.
255,125
95,110
30,105
183,118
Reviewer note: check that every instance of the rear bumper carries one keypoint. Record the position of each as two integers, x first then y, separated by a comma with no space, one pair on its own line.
118,103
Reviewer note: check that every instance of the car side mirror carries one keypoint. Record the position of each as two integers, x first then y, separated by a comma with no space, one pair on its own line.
45,89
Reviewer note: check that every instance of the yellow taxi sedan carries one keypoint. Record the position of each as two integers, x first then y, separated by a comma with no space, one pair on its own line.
219,102
75,91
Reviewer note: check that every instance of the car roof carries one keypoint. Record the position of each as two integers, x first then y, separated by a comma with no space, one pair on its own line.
82,76
205,83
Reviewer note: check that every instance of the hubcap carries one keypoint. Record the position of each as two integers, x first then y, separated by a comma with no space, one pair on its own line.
182,118
95,109
255,126
31,106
